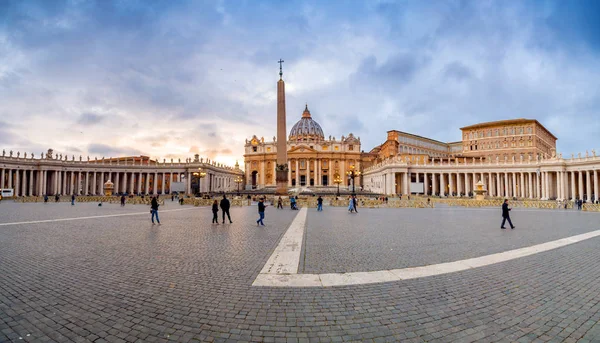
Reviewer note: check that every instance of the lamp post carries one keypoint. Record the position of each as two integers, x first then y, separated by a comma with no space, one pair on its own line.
337,180
199,174
352,174
238,180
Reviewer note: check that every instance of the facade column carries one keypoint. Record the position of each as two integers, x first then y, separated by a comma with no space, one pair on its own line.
451,184
405,183
297,173
17,184
506,185
162,188
588,186
315,176
10,175
2,178
87,183
72,183
458,185
425,184
139,183
514,185
522,186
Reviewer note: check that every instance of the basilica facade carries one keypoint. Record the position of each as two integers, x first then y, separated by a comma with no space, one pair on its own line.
314,161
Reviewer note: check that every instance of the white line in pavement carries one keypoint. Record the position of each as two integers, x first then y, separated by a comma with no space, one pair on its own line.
90,217
280,278
286,257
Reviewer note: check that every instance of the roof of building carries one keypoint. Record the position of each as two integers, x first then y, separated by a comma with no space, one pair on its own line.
417,136
507,122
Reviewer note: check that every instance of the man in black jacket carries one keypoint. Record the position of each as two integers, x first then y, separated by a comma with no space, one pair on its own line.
506,215
225,208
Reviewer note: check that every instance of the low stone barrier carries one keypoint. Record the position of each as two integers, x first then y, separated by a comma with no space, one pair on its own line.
95,198
591,207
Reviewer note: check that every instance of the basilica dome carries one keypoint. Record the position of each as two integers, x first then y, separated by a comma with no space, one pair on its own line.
306,128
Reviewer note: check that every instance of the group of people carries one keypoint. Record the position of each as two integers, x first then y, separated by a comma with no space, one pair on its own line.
225,205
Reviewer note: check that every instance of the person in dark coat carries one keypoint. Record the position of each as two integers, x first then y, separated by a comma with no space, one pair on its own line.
261,212
123,200
154,210
225,208
72,199
319,203
506,215
215,210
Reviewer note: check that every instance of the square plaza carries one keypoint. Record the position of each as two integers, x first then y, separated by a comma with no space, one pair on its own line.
106,274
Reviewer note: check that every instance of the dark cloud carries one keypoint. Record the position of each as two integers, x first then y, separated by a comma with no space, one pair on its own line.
457,71
111,151
89,119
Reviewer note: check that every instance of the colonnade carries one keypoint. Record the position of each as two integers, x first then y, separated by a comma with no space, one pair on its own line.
534,182
29,177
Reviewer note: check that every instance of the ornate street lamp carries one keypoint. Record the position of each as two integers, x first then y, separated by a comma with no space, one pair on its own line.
337,180
238,180
352,174
199,174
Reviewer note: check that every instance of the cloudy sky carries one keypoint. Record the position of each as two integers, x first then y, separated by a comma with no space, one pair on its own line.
172,78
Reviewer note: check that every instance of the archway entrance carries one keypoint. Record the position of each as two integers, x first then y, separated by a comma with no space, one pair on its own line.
254,179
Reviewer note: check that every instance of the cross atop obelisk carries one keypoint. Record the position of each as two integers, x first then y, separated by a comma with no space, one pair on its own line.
280,68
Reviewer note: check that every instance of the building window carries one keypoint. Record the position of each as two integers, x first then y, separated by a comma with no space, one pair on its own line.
336,148
521,130
504,132
529,130
324,164
325,147
268,149
512,131
302,164
254,148
350,147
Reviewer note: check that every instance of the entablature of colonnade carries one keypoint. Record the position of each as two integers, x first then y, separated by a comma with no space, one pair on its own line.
84,166
550,165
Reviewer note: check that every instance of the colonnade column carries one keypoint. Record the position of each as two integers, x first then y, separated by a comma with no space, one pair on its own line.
580,184
405,183
588,185
458,185
514,185
433,183
522,186
162,188
530,177
559,185
442,185
2,178
425,184
117,183
315,173
595,185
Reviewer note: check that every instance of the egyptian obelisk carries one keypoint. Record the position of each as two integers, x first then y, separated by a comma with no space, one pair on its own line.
282,166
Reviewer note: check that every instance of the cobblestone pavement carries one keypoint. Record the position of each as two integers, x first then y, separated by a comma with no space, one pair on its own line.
120,279
379,239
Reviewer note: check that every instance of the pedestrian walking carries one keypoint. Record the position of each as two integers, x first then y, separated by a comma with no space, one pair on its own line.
350,204
319,203
123,200
506,215
45,198
293,203
72,199
355,203
261,212
154,210
280,203
215,210
225,208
